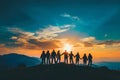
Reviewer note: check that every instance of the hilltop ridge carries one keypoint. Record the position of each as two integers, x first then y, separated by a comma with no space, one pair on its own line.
60,72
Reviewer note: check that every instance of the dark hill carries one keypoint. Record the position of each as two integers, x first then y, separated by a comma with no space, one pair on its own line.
60,72
12,60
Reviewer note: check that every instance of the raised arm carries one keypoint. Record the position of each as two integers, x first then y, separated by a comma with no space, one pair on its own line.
61,54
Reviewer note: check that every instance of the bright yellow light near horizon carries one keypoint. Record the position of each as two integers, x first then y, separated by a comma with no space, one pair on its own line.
67,47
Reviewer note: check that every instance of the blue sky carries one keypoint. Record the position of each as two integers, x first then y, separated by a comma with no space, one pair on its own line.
96,17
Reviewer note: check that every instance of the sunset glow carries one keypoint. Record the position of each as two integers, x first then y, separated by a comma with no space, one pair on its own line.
67,47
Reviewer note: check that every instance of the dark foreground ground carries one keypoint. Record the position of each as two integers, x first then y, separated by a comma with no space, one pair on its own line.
60,72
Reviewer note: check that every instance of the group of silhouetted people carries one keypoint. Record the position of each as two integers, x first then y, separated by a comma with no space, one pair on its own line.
55,57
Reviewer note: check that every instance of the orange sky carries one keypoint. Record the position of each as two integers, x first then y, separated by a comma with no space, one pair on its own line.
99,53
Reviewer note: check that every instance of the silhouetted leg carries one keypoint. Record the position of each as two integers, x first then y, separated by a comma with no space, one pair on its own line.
91,62
59,60
88,63
67,60
52,60
72,61
55,60
42,60
76,61
64,60
49,60
85,62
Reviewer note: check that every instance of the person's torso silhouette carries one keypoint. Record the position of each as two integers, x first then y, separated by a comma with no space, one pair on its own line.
48,57
77,58
84,59
53,55
43,56
65,57
90,60
58,57
71,58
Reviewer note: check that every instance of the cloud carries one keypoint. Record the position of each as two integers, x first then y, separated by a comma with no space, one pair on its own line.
47,38
88,39
2,45
14,38
49,32
110,43
36,44
21,38
78,44
86,42
93,42
41,39
3,49
52,31
19,31
49,44
70,16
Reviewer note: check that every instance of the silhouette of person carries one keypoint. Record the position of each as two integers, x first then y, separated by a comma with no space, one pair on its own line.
71,57
43,55
84,59
58,57
77,56
48,57
65,57
53,56
90,60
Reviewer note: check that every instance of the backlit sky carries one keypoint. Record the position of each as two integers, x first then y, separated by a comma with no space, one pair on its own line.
88,26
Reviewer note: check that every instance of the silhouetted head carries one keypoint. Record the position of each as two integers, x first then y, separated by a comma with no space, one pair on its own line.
53,50
65,50
84,54
43,51
90,54
58,51
48,51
